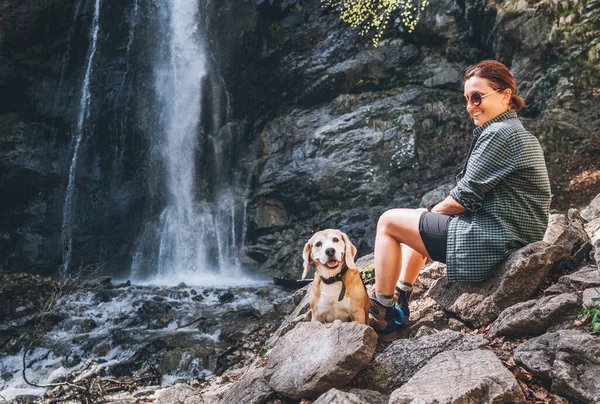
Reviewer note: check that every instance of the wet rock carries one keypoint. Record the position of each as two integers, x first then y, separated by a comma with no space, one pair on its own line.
353,396
534,317
516,280
306,363
403,358
471,377
87,326
568,359
153,308
227,297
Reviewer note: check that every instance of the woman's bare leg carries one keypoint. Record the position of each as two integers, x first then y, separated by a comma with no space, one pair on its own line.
396,227
412,263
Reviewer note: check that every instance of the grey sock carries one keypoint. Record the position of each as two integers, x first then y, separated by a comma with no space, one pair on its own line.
385,300
405,286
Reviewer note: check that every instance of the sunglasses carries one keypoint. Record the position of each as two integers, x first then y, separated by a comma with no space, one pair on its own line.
476,98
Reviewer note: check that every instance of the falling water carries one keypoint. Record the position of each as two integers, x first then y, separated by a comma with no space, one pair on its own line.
129,44
84,103
197,232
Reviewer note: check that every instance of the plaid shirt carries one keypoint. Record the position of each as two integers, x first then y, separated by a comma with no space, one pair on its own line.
505,188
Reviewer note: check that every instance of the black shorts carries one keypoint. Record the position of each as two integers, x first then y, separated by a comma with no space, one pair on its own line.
433,228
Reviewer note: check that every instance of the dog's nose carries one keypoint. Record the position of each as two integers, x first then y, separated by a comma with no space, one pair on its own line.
330,251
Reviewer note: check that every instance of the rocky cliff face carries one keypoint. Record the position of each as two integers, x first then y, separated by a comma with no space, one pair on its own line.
330,130
363,129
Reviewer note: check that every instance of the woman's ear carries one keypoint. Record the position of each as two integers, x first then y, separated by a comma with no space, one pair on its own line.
507,99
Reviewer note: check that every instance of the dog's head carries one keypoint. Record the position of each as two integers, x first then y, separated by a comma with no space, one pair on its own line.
329,248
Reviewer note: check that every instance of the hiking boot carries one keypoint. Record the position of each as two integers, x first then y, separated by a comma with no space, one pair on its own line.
383,321
402,297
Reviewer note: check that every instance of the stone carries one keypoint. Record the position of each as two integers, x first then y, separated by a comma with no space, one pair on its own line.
516,280
436,195
403,358
592,211
586,277
568,359
353,396
593,230
574,236
179,394
591,297
534,317
464,377
430,273
252,388
557,223
308,361
300,314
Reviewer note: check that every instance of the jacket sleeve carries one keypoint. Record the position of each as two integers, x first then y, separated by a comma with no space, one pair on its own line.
490,162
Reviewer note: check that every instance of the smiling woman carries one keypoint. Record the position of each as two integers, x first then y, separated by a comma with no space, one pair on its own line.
499,204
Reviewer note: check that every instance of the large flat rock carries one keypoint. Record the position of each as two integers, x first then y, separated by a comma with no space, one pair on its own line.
516,280
454,377
354,396
568,359
534,317
403,358
313,357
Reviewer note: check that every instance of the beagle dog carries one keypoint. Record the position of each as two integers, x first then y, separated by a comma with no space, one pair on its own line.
337,291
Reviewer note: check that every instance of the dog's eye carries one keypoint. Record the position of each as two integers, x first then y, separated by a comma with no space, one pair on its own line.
319,244
335,239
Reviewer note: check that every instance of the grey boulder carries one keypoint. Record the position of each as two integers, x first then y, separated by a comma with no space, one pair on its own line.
569,359
313,357
461,377
403,358
354,396
515,281
534,317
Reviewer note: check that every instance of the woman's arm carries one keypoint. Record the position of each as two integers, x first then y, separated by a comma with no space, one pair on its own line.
448,206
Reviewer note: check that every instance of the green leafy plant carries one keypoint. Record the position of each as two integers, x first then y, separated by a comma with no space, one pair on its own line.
367,275
593,314
264,351
374,15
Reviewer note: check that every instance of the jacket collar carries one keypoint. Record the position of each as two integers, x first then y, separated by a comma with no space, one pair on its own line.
510,114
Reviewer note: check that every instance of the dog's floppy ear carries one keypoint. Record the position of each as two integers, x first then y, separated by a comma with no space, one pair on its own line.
306,257
350,252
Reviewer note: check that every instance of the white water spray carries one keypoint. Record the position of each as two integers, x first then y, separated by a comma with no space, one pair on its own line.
84,103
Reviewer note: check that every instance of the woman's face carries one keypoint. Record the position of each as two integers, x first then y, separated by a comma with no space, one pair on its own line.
492,105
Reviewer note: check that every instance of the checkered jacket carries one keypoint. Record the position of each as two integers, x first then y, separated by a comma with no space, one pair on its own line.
505,188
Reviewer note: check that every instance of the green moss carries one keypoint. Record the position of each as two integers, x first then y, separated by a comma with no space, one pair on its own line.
510,13
7,121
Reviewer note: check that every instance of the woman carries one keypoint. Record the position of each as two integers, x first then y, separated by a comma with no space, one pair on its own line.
500,203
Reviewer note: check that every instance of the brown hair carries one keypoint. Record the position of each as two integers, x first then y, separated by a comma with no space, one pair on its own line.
500,78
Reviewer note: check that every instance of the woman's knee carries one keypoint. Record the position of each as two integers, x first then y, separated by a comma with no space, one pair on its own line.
391,218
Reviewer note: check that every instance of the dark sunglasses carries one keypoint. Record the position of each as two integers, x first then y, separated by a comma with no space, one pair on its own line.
476,98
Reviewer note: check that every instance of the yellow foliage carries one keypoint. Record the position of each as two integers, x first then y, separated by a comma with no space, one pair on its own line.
374,15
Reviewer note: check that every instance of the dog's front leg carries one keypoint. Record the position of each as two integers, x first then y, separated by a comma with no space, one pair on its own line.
359,316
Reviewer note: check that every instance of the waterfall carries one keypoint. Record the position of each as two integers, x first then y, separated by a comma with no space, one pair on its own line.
133,23
196,238
84,103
